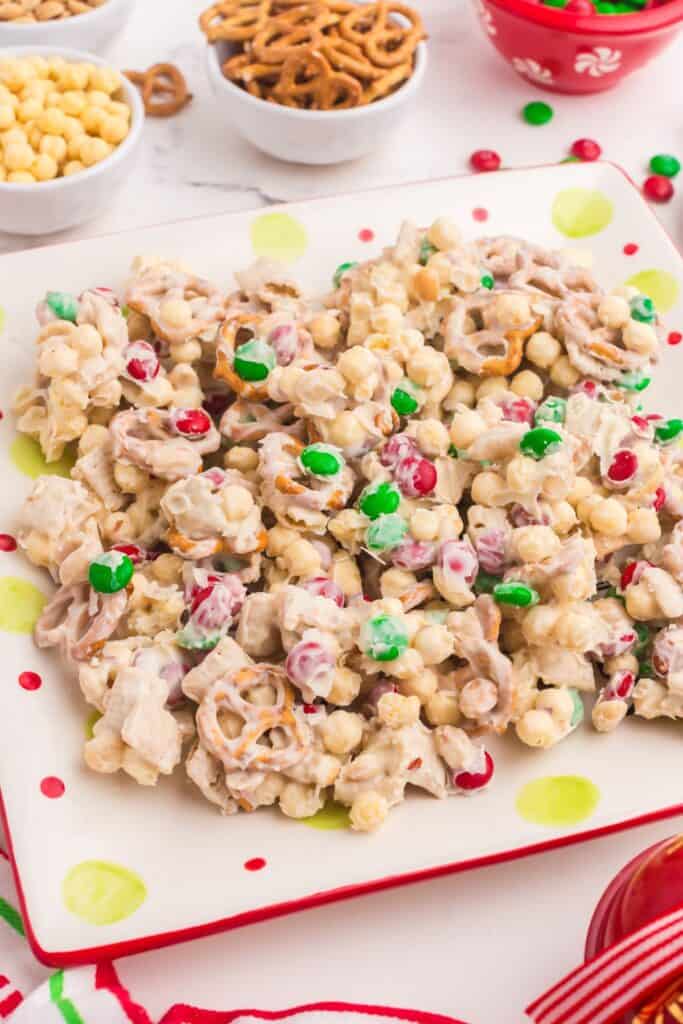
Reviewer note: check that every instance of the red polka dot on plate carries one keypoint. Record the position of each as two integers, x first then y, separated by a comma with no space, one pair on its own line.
630,249
675,338
7,542
30,681
480,214
366,234
255,864
52,787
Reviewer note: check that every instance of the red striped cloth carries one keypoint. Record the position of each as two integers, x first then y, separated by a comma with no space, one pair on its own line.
619,979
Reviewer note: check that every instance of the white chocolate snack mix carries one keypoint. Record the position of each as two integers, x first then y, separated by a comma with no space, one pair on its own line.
321,548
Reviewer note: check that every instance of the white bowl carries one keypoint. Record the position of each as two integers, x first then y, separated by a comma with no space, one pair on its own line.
44,207
311,136
93,31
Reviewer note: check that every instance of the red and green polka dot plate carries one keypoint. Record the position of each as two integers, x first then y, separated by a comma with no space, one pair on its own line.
106,867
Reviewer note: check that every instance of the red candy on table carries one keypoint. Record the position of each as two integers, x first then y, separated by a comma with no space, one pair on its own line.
485,160
623,467
586,149
658,189
580,7
415,476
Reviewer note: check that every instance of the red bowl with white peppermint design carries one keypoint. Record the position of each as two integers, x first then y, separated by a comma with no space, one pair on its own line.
573,53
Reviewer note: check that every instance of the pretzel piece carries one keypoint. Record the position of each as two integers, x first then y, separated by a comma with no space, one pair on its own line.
234,20
308,81
164,89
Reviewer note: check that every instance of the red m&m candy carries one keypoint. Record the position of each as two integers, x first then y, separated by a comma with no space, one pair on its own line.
658,189
192,422
586,149
485,160
469,781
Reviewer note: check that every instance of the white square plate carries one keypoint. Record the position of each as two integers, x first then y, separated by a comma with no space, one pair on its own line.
187,862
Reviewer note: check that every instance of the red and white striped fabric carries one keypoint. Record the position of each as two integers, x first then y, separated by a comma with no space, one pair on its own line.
619,979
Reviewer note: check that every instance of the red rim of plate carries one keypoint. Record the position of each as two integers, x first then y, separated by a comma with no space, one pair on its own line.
605,25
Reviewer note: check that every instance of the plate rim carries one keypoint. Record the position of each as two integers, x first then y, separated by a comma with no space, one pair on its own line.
128,947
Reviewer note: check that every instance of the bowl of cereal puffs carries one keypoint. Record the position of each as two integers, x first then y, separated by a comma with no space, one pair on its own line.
70,129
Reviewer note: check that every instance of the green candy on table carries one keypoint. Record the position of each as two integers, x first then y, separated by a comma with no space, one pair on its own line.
487,281
537,113
63,305
379,500
485,582
341,270
110,572
665,164
668,431
553,410
555,3
321,460
635,381
386,532
254,360
539,442
426,250
643,309
384,638
519,595
404,398
616,7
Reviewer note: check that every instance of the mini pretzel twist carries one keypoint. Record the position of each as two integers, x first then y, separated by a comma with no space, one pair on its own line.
164,89
234,20
308,81
275,722
386,42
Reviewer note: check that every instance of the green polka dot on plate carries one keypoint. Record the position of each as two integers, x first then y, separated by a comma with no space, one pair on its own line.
100,892
558,801
278,236
20,605
579,212
27,456
659,285
331,816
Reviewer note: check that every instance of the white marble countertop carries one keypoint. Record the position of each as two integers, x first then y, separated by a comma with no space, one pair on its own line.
478,945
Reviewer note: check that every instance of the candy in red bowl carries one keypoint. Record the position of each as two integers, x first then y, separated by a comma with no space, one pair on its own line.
565,50
648,887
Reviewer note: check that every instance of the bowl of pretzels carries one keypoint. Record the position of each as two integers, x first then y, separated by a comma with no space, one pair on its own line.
314,81
78,24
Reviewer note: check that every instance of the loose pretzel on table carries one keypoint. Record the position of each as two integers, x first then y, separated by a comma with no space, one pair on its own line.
164,89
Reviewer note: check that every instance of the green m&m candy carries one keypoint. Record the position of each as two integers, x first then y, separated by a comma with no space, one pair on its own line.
643,309
453,451
487,281
321,460
517,594
636,380
341,270
404,398
386,532
668,431
63,305
379,500
539,442
664,163
254,360
110,572
426,250
553,410
384,638
537,112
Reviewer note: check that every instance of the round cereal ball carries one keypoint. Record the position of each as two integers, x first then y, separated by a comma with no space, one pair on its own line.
563,373
342,732
609,517
368,811
527,384
537,729
644,526
466,426
542,349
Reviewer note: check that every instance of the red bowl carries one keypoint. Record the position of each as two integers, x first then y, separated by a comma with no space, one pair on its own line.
573,53
646,888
